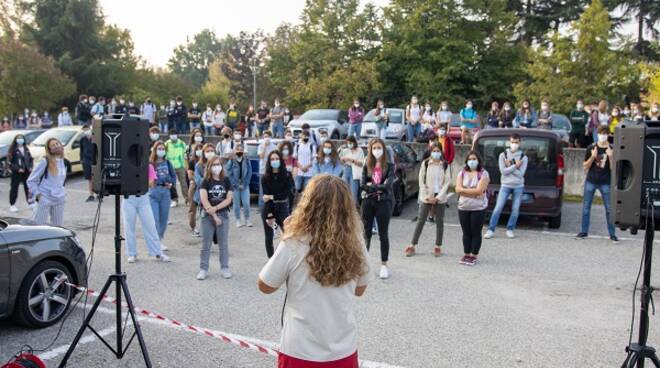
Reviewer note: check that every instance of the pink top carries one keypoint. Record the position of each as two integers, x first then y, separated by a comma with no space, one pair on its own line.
152,173
377,176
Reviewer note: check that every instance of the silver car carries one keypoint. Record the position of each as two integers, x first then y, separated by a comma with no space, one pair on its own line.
332,121
395,129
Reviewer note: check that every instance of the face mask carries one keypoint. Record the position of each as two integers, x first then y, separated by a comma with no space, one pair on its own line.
442,132
525,106
507,108
437,155
327,151
472,164
602,138
216,169
580,106
122,102
626,112
208,109
174,137
84,101
514,147
131,104
195,105
20,141
324,138
178,103
226,136
381,106
87,133
654,109
198,138
615,113
209,155
34,115
160,153
162,107
428,108
544,107
414,101
350,145
237,137
65,112
377,153
92,101
198,153
154,136
275,164
305,139
356,104
285,152
444,107
469,106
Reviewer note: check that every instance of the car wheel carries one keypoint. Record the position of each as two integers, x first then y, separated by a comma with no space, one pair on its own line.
554,222
399,194
4,168
335,135
44,296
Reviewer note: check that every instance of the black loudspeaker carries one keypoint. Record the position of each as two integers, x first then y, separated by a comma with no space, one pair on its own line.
121,155
636,179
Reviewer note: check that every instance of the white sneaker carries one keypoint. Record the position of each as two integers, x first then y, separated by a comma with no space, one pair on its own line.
174,204
249,223
33,205
489,234
163,258
226,274
196,233
13,209
164,248
202,275
131,259
239,224
510,234
384,272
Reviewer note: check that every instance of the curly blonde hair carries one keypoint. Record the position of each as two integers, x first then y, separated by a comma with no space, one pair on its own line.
327,215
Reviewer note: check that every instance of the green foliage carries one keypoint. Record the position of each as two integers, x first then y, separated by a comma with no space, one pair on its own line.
160,85
192,60
237,56
580,66
217,87
30,79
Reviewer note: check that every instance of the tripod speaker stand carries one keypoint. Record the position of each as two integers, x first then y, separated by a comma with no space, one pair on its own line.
639,352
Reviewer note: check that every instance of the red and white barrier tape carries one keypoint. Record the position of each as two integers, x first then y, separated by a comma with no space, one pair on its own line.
190,328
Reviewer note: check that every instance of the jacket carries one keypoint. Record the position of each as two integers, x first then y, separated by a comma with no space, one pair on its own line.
426,184
329,168
235,168
381,192
86,150
512,177
176,153
21,161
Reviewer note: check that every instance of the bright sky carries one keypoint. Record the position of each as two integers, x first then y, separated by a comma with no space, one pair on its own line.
156,29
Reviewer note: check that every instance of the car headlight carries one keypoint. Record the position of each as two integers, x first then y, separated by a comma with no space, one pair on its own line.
77,241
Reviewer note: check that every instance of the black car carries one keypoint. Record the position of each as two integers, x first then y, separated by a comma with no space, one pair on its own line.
35,263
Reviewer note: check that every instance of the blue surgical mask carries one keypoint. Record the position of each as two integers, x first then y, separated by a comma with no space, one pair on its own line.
20,141
437,155
160,153
327,151
473,164
275,164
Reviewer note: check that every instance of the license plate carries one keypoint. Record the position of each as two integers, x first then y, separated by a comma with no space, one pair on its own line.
371,131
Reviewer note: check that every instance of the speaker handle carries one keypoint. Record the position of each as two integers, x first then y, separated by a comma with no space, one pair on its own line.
624,171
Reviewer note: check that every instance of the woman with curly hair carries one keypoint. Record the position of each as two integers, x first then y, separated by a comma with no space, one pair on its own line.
324,265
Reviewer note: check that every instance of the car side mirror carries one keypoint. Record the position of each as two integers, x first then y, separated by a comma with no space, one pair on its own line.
75,145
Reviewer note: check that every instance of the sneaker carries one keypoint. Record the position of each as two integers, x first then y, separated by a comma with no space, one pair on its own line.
164,248
226,274
489,234
174,204
13,209
374,231
249,223
472,261
33,205
510,234
581,236
201,275
431,219
163,258
91,198
384,272
196,233
239,224
464,260
614,238
410,251
131,259
437,251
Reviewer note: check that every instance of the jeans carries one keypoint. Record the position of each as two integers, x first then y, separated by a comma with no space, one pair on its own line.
208,229
182,127
160,205
355,129
353,185
413,130
241,196
278,130
261,127
380,211
209,130
471,223
381,129
139,206
589,191
502,196
194,124
163,126
301,182
16,180
438,212
260,200
280,210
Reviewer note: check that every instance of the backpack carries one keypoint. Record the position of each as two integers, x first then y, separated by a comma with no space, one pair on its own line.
427,136
67,166
426,167
311,150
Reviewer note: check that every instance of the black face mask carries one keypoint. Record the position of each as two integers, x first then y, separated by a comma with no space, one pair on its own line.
305,139
226,136
239,154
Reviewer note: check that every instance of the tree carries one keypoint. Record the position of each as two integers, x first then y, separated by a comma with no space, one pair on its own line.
647,15
236,58
217,87
160,85
98,57
537,17
192,60
30,79
580,65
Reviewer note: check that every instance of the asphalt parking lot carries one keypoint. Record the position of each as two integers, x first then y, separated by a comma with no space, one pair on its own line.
543,299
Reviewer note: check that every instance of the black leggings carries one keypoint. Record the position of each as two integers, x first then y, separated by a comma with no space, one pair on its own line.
16,180
281,211
382,212
471,222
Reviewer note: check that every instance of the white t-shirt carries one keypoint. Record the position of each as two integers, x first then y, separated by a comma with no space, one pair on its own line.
357,155
266,150
304,153
319,323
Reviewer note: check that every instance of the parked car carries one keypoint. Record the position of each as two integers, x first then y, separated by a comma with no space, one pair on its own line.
396,128
5,140
455,129
35,262
70,137
562,126
332,121
544,178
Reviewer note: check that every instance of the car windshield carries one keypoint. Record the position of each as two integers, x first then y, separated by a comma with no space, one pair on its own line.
64,136
394,116
541,158
320,115
560,122
7,137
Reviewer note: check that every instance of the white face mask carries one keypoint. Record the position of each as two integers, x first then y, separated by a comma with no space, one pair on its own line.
327,151
654,109
154,136
356,104
237,137
444,107
160,153
615,113
442,132
216,169
602,138
428,108
544,107
195,105
198,138
507,108
174,137
580,106
198,153
377,153
285,152
514,147
122,102
209,155
469,106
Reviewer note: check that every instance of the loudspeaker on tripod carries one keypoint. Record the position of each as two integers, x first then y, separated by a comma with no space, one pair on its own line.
121,155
